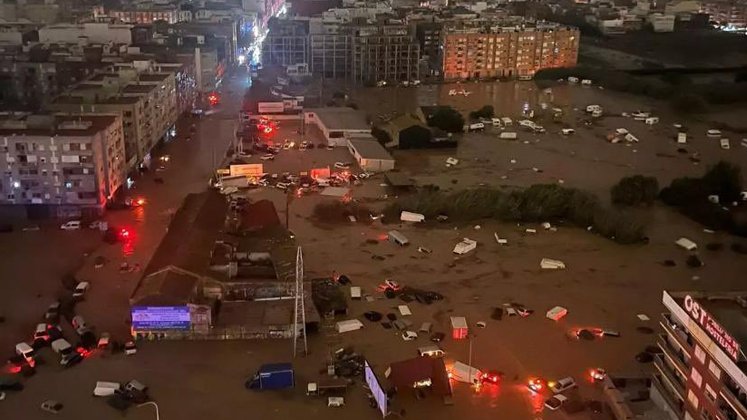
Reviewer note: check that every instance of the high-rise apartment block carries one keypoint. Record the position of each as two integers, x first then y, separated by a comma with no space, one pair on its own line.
487,50
52,162
701,372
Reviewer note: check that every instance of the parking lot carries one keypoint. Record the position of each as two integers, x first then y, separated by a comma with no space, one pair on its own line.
605,285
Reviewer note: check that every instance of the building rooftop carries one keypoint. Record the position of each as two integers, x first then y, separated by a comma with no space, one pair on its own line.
133,88
370,149
170,286
48,125
728,309
341,118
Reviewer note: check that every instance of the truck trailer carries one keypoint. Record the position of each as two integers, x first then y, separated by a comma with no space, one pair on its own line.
272,376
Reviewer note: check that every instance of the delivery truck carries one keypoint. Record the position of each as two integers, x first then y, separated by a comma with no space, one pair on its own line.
464,373
272,376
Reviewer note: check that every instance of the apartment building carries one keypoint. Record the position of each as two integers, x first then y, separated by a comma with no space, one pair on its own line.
288,43
385,53
356,49
146,102
701,372
428,34
477,50
61,166
185,78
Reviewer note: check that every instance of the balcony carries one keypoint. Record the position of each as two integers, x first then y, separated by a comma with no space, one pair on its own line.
738,406
679,333
675,382
675,354
674,404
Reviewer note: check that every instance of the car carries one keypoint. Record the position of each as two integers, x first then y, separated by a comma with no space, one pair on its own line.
52,406
41,334
437,337
71,359
71,225
78,322
562,384
268,156
373,316
53,312
492,377
536,385
98,224
342,165
555,402
130,348
165,158
409,335
597,374
81,289
283,186
724,144
104,340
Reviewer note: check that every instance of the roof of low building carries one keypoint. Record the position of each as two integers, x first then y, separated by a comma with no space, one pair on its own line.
341,118
405,373
370,149
170,286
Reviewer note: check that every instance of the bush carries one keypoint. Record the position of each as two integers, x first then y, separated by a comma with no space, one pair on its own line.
724,179
635,190
538,203
415,137
447,119
381,135
485,112
338,212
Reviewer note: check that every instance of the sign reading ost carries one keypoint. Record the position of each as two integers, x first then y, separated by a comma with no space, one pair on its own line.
725,341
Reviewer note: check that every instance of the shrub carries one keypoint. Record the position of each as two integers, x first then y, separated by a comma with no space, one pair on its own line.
485,112
635,190
380,135
724,180
447,119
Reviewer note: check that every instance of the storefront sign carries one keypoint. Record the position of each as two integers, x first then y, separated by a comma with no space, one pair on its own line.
725,341
149,318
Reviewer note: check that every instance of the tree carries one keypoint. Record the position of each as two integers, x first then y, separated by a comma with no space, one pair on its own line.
447,119
380,135
635,190
724,179
485,112
415,137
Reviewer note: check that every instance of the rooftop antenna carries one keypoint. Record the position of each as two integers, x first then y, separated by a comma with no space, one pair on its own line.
299,320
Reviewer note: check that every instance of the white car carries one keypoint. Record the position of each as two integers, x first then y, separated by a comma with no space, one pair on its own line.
130,348
567,131
268,156
725,144
556,402
409,335
282,186
562,384
713,133
342,165
81,289
71,225
98,224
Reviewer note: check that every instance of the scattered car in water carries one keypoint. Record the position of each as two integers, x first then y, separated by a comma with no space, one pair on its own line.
342,165
556,402
71,225
81,289
52,406
268,156
562,384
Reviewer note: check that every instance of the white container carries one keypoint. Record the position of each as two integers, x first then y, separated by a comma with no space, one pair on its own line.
686,244
349,325
557,313
355,292
105,389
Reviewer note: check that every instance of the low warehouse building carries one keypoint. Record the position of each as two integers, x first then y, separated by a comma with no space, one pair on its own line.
370,155
338,124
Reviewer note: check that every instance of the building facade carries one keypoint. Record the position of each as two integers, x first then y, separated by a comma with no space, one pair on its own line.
731,14
388,53
61,165
100,33
146,102
488,51
700,372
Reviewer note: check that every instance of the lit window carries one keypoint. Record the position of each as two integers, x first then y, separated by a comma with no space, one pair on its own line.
700,354
692,399
696,377
715,370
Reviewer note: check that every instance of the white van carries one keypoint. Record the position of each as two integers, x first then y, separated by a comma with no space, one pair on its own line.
23,349
567,131
398,238
506,121
652,120
496,121
508,135
105,389
71,225
682,138
465,373
431,351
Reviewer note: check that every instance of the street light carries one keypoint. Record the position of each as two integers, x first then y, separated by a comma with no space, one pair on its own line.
158,417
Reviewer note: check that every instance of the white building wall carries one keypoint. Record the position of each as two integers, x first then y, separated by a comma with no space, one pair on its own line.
95,32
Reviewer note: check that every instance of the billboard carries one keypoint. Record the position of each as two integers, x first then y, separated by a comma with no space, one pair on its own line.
149,318
375,387
250,169
270,107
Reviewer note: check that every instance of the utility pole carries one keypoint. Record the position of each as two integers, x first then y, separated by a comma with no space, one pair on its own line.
299,319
